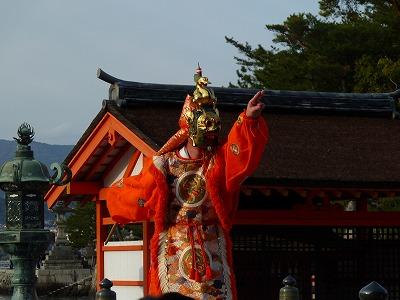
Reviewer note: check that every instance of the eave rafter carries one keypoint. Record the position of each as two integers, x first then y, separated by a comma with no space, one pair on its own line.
109,129
101,160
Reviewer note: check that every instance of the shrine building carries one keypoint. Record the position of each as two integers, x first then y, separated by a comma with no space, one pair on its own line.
323,203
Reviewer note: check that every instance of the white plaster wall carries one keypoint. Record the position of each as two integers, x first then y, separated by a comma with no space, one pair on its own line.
128,292
119,168
139,166
123,265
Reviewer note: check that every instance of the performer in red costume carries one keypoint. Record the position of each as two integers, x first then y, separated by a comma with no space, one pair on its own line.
190,189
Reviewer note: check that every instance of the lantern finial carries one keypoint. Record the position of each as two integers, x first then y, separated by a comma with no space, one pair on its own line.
25,133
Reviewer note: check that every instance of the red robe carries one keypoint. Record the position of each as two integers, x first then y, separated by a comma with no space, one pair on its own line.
147,195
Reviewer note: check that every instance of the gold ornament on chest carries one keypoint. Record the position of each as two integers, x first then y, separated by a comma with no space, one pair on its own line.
191,189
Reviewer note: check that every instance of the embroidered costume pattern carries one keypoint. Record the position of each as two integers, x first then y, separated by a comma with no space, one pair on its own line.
192,252
193,201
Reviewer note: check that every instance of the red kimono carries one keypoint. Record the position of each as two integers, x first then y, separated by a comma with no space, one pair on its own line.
192,202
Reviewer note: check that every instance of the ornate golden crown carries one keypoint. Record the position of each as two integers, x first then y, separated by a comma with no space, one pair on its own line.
202,94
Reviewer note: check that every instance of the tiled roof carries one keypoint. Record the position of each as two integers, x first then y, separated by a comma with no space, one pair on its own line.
328,139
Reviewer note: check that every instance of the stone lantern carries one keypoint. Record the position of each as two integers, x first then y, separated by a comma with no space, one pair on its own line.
24,181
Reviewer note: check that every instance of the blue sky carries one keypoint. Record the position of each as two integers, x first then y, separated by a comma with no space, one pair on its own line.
50,51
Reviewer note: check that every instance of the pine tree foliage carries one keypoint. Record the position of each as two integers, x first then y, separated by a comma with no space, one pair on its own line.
351,46
81,226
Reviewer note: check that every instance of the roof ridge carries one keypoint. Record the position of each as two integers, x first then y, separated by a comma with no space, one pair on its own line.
127,93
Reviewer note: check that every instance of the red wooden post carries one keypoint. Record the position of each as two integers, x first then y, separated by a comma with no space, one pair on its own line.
148,229
100,238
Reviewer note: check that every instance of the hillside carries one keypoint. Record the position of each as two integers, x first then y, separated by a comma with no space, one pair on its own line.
44,152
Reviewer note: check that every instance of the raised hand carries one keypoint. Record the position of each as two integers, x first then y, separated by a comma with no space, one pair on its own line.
255,106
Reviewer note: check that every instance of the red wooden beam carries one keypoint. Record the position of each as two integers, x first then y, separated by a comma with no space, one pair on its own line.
83,188
108,221
103,193
317,218
132,163
97,136
131,137
123,248
100,238
324,188
127,283
147,234
83,154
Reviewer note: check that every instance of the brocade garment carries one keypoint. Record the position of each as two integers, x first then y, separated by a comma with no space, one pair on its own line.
192,248
192,203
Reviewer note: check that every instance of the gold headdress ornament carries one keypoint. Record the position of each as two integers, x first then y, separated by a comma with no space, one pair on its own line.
202,94
202,97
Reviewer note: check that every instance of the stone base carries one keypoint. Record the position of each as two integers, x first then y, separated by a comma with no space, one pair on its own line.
5,282
64,264
52,280
65,281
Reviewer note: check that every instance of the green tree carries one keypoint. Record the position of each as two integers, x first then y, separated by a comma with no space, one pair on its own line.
81,226
351,46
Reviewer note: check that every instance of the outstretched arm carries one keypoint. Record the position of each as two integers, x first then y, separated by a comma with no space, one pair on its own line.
255,106
246,143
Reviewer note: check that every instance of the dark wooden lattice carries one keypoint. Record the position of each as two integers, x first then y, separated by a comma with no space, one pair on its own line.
343,260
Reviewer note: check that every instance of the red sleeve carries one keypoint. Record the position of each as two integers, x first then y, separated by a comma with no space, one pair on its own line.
244,148
127,203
